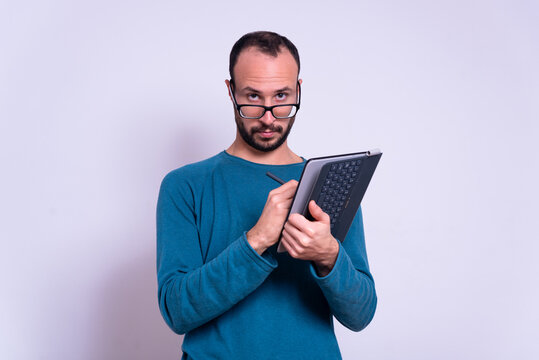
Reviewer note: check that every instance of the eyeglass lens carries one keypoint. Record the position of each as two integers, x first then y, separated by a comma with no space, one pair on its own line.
278,111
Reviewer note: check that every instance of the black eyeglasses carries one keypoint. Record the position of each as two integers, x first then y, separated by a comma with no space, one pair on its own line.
284,111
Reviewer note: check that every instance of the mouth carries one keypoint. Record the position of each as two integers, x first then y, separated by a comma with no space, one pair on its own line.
266,133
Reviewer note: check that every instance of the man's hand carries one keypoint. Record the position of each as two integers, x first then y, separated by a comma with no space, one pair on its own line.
311,240
268,228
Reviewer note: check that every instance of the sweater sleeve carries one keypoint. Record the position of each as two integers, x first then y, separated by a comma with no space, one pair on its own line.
192,292
349,287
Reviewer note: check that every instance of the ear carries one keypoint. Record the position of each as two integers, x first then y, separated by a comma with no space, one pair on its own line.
300,81
227,82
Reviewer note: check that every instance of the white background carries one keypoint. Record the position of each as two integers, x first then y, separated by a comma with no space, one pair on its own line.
100,99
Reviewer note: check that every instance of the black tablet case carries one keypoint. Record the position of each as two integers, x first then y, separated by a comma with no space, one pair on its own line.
312,180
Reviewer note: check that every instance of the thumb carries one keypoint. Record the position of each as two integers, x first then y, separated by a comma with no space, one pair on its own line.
317,212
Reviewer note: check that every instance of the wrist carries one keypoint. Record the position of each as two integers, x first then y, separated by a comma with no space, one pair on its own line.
326,264
255,240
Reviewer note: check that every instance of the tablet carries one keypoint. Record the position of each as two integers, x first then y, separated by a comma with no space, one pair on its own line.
337,184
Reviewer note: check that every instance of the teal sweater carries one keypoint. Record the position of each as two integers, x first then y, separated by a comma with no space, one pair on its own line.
233,303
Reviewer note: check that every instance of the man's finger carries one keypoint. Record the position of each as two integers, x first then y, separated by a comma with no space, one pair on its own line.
292,230
289,244
287,187
317,212
299,221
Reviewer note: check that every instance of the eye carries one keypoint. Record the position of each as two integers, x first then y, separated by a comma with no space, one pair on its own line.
253,97
281,96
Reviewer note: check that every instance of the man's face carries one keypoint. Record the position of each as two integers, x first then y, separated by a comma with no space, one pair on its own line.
260,79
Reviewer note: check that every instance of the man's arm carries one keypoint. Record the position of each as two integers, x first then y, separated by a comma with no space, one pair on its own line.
192,292
342,274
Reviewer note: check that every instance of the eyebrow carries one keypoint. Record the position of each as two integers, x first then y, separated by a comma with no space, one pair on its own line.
248,88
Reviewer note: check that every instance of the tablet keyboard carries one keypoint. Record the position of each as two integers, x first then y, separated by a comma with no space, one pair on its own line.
337,186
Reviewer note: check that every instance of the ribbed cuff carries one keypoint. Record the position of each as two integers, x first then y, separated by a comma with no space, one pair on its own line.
338,263
267,261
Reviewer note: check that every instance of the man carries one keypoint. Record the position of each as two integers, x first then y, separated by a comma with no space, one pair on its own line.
221,281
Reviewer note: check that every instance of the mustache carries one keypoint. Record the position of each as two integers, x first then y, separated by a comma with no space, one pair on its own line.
274,128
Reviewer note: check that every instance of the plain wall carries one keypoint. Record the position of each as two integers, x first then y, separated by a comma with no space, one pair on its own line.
100,99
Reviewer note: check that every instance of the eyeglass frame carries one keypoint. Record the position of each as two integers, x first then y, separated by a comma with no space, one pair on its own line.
266,108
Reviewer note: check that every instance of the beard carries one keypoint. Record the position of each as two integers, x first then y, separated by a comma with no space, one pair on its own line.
264,145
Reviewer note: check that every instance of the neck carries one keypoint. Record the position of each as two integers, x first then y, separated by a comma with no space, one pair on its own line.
280,156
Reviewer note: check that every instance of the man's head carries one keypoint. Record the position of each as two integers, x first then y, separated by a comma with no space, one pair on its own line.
266,42
264,69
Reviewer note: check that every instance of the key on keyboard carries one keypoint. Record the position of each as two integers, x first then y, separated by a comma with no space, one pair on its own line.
338,183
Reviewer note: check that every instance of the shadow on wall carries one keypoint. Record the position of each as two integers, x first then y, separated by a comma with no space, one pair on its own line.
128,323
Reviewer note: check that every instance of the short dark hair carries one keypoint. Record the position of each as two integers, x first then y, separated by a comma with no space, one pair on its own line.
267,42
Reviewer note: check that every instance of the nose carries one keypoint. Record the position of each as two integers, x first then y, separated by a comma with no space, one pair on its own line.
268,118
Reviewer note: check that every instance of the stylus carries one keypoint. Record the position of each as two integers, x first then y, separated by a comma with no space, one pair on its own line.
279,180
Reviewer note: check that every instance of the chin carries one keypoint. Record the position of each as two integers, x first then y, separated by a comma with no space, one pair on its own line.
266,147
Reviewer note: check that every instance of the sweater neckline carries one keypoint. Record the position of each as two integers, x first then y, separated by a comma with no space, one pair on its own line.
253,164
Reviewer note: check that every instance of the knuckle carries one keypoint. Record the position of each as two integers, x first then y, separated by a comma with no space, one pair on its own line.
273,200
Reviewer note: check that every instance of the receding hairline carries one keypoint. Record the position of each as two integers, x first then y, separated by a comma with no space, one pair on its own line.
283,50
267,42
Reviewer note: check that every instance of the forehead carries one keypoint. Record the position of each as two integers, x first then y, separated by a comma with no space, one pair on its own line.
256,69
